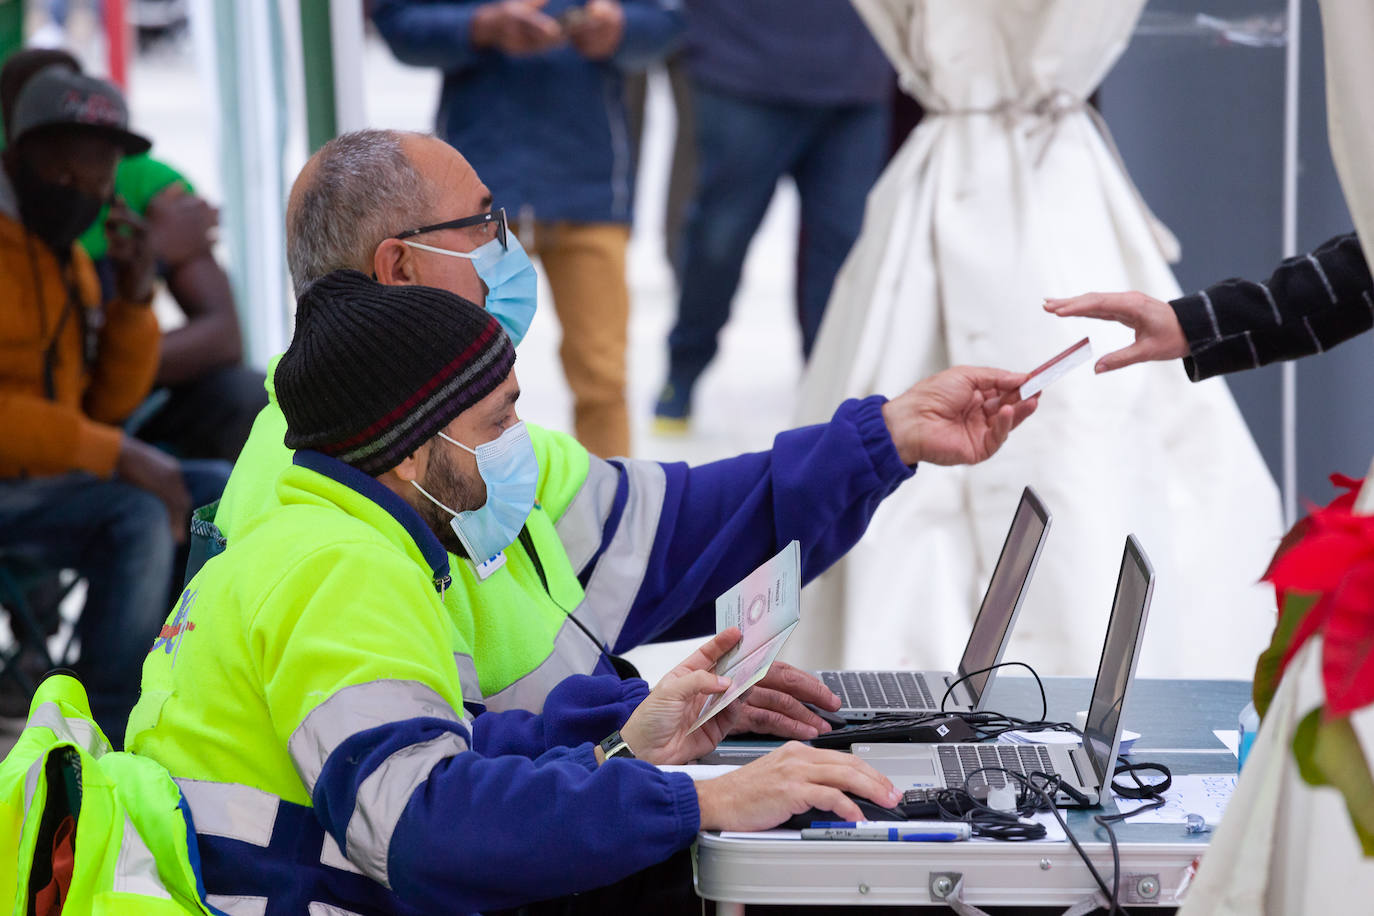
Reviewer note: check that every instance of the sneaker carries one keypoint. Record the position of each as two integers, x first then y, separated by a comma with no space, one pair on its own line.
673,412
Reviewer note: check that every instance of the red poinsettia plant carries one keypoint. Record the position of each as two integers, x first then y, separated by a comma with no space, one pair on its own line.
1323,577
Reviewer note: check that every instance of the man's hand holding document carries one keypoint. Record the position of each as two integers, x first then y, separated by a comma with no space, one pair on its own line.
766,606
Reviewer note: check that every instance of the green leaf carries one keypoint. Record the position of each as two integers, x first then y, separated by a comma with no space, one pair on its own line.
1328,753
1268,669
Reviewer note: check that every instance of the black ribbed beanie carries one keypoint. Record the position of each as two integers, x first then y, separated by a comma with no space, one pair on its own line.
374,371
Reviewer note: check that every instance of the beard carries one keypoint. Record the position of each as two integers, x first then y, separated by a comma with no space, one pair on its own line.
447,484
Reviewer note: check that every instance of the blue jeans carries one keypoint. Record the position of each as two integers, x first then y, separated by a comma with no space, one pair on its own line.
117,537
833,153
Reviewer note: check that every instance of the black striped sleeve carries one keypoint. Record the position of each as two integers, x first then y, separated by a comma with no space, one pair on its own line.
1311,303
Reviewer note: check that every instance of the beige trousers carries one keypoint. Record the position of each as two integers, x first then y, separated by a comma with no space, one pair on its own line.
585,264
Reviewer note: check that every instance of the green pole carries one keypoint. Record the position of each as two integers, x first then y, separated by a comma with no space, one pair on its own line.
11,27
317,52
11,35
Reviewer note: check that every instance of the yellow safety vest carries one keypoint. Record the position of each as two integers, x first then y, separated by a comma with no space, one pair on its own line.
132,850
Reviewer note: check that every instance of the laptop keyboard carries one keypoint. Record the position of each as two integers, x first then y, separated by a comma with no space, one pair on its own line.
879,689
957,761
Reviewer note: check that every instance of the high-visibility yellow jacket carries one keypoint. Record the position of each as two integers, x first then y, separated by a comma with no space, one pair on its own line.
307,695
622,552
132,850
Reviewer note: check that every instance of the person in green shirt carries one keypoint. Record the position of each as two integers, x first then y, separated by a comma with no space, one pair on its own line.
204,399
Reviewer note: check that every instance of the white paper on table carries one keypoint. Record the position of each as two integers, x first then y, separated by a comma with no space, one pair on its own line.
1128,738
1053,832
775,834
1230,738
761,834
699,771
1194,793
766,606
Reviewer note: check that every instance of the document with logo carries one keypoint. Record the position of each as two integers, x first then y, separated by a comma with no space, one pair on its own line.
766,606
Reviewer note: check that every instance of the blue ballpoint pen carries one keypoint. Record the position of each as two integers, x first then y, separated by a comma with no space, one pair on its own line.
892,831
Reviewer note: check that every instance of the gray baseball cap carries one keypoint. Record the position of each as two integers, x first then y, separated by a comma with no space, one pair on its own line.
55,98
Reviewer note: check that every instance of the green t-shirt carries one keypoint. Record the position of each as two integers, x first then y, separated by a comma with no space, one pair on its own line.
138,179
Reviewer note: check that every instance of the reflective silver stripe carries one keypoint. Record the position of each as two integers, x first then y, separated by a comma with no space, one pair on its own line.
238,906
355,709
573,653
620,571
231,810
68,728
136,869
324,909
384,794
467,678
333,856
583,522
31,783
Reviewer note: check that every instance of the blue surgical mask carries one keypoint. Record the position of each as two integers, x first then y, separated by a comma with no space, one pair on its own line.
510,471
509,275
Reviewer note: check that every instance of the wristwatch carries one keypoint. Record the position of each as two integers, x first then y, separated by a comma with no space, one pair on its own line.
614,746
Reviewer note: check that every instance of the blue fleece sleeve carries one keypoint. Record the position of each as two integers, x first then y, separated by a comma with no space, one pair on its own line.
480,833
652,29
580,708
428,34
819,485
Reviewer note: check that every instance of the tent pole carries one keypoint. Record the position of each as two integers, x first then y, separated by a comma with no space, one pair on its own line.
1290,248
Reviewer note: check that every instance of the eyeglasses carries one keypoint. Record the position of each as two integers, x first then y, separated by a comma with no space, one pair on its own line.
496,217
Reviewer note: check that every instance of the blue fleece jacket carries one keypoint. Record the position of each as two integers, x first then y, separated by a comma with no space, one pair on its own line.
801,52
818,485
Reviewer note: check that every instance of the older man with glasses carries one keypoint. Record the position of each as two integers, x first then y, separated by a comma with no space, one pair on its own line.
613,553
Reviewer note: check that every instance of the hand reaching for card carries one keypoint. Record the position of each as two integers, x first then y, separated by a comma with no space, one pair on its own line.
1158,334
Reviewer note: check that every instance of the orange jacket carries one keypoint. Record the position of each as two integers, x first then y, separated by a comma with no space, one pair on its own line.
72,428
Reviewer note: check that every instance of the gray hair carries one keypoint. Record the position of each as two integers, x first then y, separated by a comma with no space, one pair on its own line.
363,190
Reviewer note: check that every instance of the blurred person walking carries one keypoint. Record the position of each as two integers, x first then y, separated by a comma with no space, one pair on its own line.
533,94
779,88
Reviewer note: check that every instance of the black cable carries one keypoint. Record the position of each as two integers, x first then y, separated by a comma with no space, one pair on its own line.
1042,786
1113,895
1044,705
1036,793
623,667
1141,789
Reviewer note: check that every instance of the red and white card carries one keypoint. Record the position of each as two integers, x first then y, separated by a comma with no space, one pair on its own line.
1053,370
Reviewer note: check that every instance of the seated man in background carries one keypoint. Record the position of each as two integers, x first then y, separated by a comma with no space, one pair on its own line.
610,554
309,696
75,491
204,399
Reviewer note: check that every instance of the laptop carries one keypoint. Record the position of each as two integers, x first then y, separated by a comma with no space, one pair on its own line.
866,694
1086,767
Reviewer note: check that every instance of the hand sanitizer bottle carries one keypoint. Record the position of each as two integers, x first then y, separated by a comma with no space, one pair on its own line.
1249,727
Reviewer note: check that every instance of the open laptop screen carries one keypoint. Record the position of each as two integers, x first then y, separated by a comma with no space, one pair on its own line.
1005,591
1125,628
